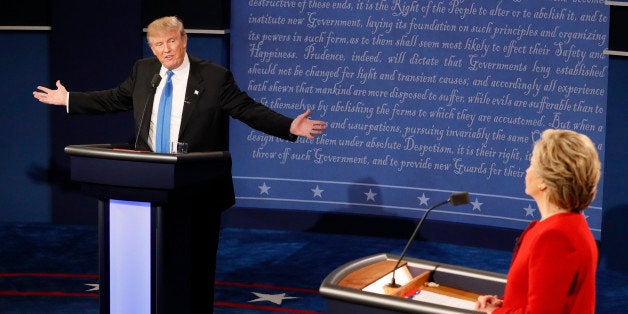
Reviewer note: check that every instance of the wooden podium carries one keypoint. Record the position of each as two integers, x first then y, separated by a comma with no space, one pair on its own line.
361,287
159,217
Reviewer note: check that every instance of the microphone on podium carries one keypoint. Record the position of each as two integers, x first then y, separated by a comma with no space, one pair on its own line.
455,199
154,82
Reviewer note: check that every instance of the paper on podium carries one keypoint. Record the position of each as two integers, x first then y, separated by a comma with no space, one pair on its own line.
442,299
402,277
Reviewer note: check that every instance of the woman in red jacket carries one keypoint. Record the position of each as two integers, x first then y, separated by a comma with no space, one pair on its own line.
555,260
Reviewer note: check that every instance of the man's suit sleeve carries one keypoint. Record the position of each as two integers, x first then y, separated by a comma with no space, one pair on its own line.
117,99
256,115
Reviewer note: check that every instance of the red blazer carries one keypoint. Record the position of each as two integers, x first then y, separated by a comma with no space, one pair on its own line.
553,268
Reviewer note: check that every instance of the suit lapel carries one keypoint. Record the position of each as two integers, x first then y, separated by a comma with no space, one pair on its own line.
193,93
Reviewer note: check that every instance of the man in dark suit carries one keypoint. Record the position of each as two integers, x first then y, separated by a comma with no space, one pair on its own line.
203,96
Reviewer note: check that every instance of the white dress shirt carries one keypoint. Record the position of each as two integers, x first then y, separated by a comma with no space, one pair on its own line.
179,85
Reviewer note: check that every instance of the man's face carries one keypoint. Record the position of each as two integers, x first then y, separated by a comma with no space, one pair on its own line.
169,47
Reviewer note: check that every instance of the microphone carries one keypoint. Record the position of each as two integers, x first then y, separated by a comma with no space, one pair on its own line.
153,83
455,199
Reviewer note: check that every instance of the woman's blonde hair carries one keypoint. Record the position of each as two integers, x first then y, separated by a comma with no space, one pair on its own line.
569,165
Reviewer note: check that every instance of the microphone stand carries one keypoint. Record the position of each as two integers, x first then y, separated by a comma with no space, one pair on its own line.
153,84
455,199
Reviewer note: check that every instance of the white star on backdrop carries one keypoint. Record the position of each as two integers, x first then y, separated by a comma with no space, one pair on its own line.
94,286
370,195
476,205
423,200
317,192
263,189
529,210
274,298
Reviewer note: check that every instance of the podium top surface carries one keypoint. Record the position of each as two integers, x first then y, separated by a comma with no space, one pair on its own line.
339,285
111,165
110,151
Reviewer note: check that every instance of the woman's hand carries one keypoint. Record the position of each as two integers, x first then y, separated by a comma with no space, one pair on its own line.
488,303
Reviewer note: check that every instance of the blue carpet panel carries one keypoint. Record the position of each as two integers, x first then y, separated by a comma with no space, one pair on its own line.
53,269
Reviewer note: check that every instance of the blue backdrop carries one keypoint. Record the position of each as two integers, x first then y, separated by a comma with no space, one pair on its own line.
422,99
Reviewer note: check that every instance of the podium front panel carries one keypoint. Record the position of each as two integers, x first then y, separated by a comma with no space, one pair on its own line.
158,216
130,257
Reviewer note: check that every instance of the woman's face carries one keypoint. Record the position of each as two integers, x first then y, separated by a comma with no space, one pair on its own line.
533,181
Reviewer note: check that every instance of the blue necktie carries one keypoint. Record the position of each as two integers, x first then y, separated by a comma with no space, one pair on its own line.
162,138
